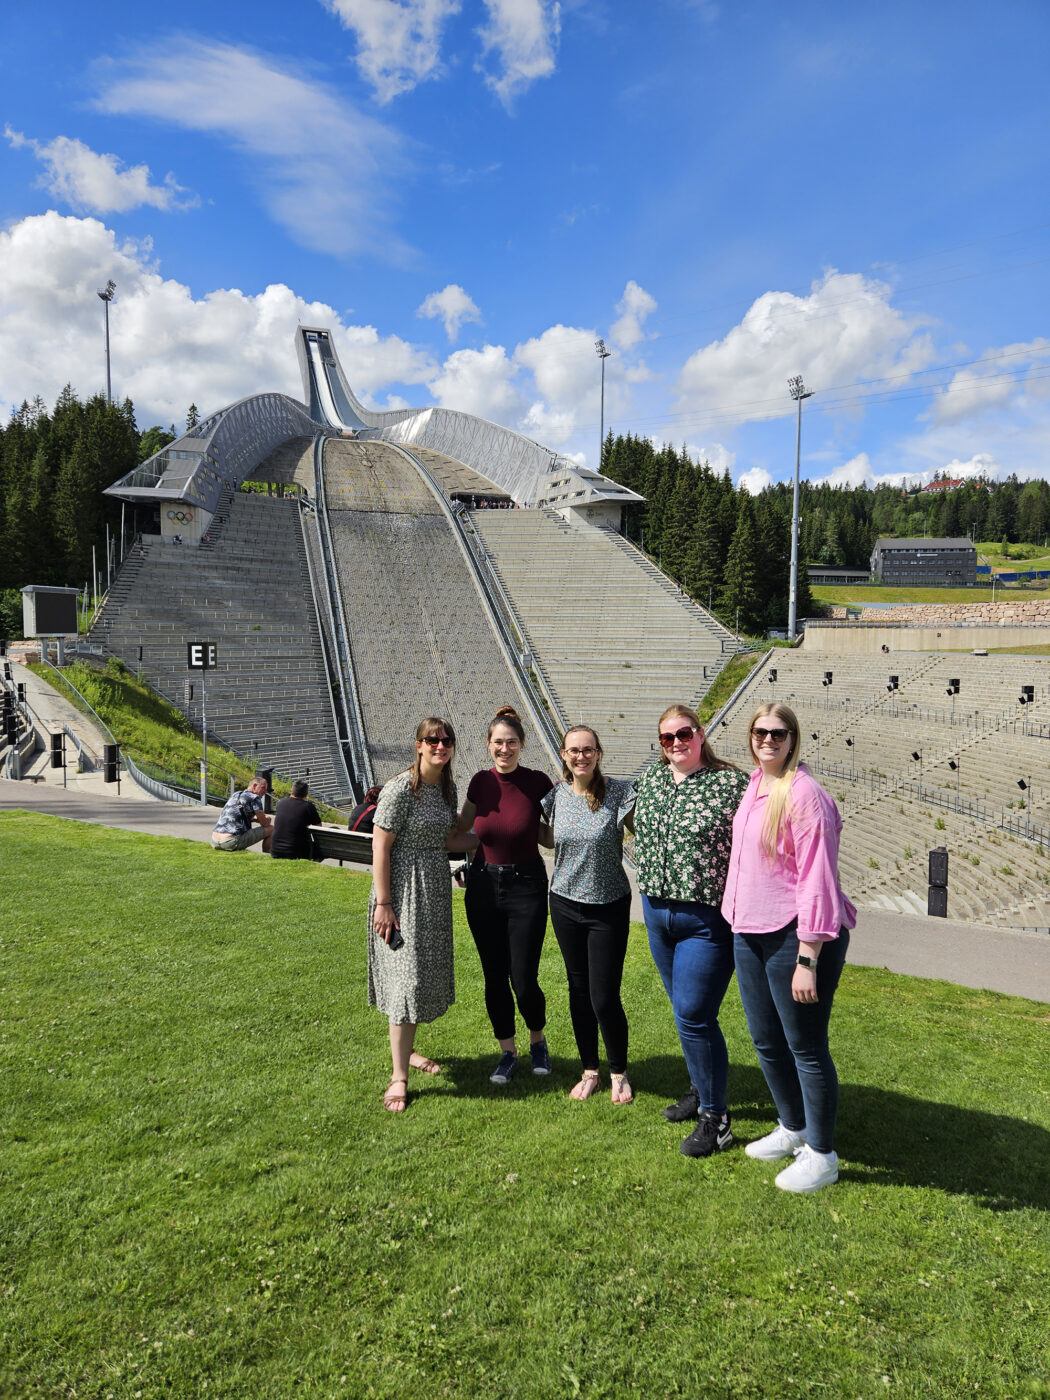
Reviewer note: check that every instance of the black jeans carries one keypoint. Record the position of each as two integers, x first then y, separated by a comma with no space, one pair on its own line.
507,914
593,942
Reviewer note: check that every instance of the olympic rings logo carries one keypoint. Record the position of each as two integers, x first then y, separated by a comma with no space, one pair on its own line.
181,517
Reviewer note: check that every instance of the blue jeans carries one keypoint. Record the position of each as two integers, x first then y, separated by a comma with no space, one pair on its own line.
692,946
791,1037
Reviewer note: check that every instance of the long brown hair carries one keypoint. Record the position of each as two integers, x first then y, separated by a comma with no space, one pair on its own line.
509,716
708,757
780,793
424,727
596,786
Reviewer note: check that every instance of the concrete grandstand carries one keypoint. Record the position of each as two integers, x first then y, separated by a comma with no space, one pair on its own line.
914,767
404,567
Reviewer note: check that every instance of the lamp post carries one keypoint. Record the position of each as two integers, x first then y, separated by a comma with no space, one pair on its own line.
815,736
798,392
953,690
917,756
106,296
603,355
826,683
1027,787
955,764
852,760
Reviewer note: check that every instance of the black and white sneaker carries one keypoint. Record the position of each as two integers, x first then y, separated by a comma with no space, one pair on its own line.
712,1134
506,1069
688,1106
540,1057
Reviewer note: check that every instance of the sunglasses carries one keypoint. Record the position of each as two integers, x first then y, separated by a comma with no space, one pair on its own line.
777,735
682,735
436,740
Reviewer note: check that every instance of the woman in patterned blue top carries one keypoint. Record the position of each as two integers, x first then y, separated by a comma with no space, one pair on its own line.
590,903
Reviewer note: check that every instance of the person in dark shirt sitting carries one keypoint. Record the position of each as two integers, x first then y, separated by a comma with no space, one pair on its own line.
292,820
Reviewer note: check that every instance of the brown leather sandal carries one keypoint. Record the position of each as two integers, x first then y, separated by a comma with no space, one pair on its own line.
394,1102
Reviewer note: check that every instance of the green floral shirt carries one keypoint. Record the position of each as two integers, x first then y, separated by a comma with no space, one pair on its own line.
683,832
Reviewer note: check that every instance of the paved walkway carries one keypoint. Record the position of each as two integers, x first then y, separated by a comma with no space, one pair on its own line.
968,954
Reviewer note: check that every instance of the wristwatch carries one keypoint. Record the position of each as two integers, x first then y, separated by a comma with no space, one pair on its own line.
803,961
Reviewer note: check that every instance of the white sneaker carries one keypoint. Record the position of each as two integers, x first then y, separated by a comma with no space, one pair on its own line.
781,1142
809,1171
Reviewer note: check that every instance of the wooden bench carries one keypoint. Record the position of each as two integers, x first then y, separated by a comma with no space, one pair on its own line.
333,842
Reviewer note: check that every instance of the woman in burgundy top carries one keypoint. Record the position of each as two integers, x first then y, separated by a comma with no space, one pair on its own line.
506,898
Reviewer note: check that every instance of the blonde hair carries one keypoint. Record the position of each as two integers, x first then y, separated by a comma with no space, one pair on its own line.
780,795
596,786
708,757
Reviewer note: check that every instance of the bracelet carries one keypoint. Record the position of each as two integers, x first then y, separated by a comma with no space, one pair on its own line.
384,904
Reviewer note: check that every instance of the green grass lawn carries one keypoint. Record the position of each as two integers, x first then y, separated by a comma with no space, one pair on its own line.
202,1195
876,593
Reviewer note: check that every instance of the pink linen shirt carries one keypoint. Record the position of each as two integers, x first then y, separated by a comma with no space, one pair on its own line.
761,895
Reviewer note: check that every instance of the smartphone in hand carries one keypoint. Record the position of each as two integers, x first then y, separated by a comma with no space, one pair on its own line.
396,941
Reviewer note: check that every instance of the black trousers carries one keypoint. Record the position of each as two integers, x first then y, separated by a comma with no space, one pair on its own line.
593,942
507,914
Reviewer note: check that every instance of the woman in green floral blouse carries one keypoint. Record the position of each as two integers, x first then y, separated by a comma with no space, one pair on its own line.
683,825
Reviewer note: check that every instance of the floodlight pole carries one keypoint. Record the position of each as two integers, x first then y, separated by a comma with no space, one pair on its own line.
603,355
106,296
798,392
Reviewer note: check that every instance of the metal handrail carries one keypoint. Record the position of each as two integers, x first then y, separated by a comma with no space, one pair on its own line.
502,625
305,504
337,615
139,778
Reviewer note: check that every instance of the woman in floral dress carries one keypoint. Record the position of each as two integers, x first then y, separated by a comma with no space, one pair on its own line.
410,975
683,825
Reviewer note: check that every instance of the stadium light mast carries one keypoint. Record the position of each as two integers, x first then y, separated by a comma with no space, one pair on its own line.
106,296
603,355
798,392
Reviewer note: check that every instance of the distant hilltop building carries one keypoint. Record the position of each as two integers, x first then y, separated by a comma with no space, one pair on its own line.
944,485
927,563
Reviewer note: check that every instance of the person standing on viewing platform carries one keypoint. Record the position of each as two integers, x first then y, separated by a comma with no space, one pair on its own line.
791,926
410,971
506,894
243,822
590,904
292,820
683,830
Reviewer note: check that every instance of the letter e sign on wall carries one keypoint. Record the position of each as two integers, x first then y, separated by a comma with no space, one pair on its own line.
201,656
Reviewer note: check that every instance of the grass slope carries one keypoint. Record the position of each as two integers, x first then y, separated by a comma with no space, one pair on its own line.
867,594
202,1195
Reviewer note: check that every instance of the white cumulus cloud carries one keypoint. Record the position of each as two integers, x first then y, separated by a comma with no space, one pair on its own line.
858,471
99,183
845,331
170,349
1002,379
480,382
521,36
755,480
452,306
632,309
398,41
325,171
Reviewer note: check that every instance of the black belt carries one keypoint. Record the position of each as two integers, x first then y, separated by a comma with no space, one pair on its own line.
525,867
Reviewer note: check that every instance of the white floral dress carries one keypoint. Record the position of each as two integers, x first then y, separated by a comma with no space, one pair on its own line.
415,983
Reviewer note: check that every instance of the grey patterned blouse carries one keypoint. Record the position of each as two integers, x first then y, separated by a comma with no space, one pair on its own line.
588,846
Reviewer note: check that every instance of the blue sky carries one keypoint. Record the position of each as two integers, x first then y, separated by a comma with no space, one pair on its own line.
469,192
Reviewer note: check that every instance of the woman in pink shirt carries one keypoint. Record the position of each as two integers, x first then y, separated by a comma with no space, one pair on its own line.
791,925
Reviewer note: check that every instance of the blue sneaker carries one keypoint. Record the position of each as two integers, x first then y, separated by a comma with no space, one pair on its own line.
540,1057
506,1069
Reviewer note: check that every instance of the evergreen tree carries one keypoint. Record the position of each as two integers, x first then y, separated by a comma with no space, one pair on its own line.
741,595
